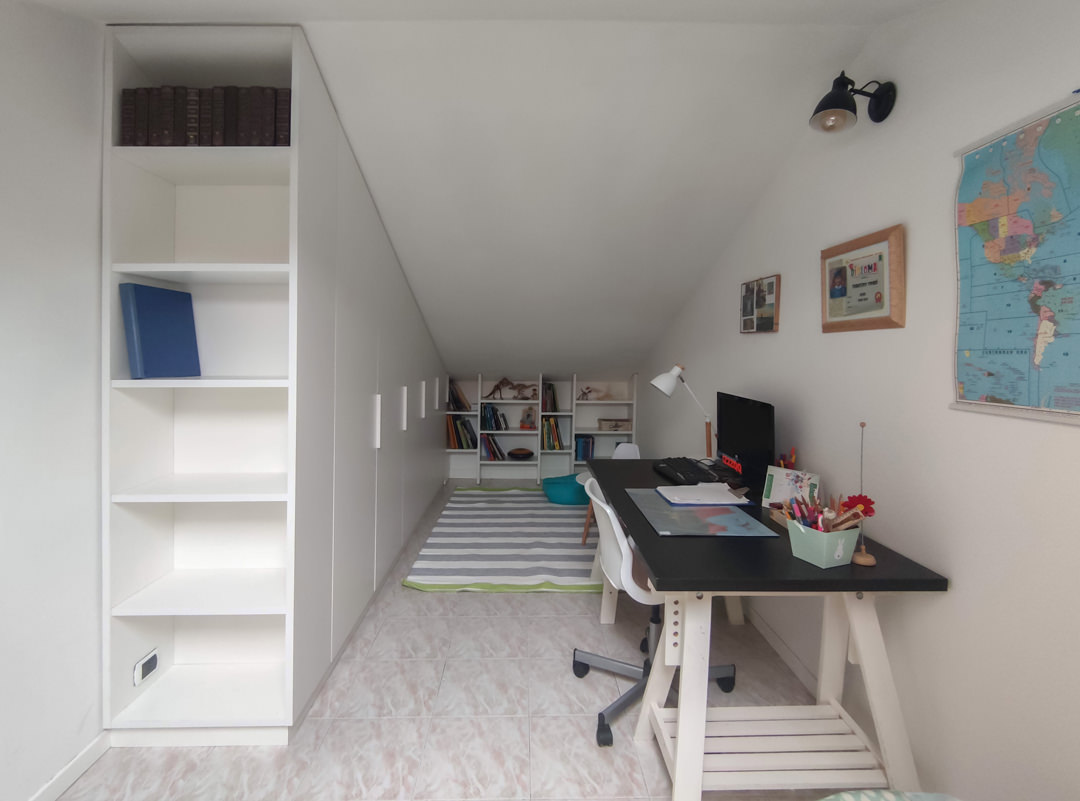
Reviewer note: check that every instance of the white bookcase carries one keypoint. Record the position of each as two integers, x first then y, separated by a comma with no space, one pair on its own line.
249,514
199,472
581,405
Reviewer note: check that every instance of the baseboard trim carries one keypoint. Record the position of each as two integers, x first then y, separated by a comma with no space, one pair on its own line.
802,673
68,774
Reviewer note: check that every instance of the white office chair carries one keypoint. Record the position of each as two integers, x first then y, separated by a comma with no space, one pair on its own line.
624,450
623,570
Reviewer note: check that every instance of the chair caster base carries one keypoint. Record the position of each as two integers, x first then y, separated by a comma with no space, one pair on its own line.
603,732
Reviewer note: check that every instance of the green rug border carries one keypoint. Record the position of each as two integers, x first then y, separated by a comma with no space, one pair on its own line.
545,586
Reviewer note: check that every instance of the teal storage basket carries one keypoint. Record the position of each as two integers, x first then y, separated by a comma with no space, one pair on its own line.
565,490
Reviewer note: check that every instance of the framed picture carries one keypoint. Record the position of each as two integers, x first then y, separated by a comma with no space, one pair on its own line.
863,283
760,305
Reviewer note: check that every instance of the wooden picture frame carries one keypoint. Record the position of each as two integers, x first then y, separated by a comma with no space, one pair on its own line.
759,305
863,283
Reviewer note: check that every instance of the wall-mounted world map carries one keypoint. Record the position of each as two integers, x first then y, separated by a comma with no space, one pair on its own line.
1018,254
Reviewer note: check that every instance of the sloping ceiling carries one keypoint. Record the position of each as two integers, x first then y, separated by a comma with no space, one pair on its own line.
557,176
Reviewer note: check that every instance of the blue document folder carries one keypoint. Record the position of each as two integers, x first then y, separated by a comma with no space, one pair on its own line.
159,325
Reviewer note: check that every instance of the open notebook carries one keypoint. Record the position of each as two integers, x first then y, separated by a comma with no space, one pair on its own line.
716,494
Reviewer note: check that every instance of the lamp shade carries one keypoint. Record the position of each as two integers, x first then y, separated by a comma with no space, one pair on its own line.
666,382
836,111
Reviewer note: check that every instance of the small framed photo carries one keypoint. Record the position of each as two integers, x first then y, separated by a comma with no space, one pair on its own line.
760,309
863,283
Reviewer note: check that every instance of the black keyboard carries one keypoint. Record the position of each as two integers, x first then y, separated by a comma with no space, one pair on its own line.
684,470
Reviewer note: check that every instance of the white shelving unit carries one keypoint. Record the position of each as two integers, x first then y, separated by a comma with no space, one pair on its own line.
608,399
198,476
604,400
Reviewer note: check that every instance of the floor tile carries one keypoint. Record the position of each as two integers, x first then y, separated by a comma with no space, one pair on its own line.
365,760
487,637
476,687
555,690
566,762
379,689
475,758
411,638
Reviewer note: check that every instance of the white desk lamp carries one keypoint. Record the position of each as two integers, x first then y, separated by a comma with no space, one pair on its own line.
666,383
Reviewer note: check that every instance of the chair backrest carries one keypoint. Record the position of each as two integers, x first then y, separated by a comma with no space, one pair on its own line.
626,450
616,555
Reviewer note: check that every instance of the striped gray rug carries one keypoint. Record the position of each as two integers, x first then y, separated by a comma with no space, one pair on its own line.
506,540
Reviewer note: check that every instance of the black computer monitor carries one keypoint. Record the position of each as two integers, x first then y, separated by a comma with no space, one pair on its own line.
744,438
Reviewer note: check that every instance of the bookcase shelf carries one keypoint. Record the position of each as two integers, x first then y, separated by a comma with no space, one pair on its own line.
232,591
210,272
211,166
571,416
216,694
207,488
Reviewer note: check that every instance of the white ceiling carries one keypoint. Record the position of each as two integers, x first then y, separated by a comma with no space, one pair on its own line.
557,176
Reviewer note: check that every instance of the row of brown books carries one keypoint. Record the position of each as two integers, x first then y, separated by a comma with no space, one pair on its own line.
222,116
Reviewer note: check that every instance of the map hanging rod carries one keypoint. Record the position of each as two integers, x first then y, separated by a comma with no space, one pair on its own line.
1054,108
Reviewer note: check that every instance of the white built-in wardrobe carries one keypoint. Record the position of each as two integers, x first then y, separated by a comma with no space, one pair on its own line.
249,514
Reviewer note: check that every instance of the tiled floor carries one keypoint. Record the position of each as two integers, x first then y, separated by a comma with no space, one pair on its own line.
442,696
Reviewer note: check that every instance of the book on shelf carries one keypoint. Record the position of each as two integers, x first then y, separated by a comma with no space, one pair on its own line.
232,100
142,116
550,397
217,116
159,327
166,110
243,116
490,450
190,116
282,116
206,117
451,434
153,116
583,446
456,400
468,432
127,117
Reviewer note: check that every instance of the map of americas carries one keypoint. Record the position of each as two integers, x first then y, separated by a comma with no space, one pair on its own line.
1018,252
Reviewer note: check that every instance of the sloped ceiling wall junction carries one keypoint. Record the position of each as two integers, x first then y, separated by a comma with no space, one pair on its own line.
557,176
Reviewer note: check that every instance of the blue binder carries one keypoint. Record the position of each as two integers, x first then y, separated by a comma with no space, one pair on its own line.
160,328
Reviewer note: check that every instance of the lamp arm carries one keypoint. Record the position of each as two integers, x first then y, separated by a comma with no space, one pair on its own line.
708,419
862,90
692,395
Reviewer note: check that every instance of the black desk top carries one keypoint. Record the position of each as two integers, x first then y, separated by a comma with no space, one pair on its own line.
747,564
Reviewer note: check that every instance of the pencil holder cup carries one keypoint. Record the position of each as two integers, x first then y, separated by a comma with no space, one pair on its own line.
822,548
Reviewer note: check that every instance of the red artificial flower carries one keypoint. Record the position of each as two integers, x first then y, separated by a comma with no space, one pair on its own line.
865,501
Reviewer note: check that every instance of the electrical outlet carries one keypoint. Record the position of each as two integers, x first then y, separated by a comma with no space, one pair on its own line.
144,667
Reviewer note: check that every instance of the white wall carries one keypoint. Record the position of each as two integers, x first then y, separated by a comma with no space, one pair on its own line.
50,624
986,672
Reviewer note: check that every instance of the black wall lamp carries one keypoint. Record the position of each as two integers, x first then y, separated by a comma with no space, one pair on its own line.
836,111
